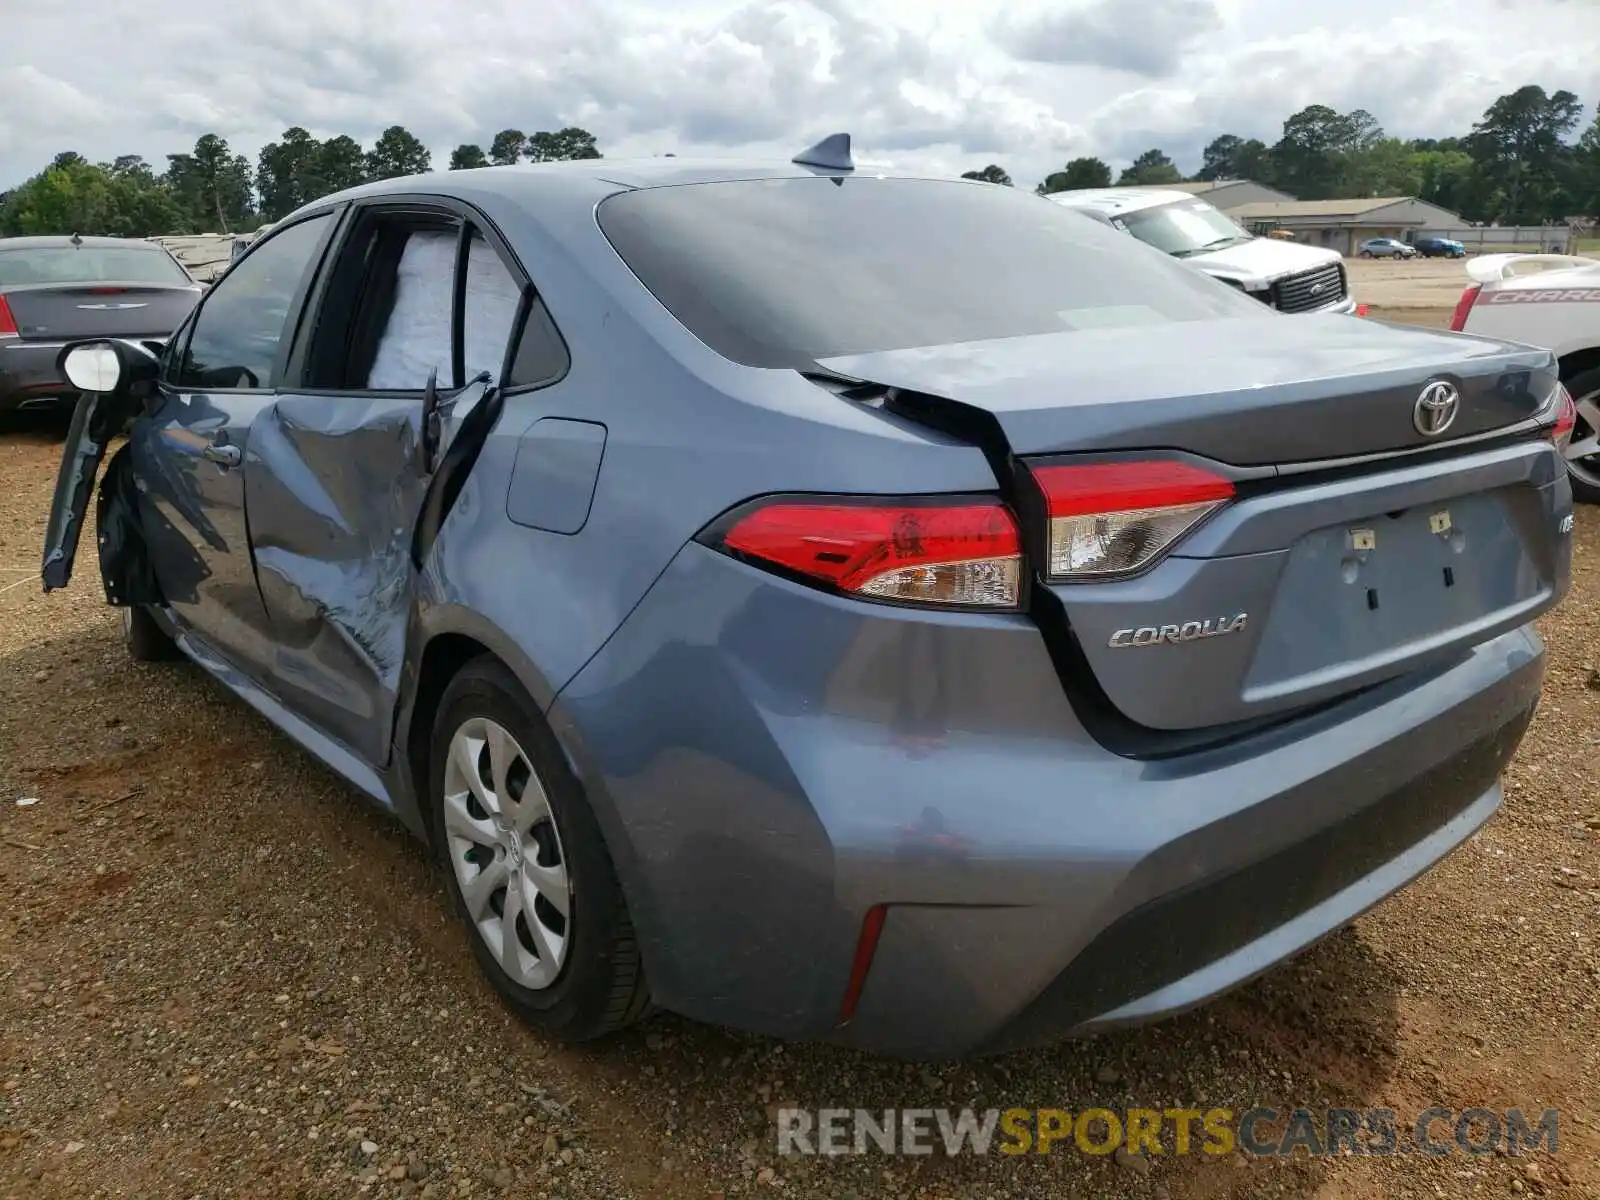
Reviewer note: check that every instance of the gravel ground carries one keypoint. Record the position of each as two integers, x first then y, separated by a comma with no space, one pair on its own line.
1418,283
222,975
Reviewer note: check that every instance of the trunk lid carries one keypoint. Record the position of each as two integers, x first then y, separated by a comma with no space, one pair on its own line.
1320,576
1247,391
1295,595
66,312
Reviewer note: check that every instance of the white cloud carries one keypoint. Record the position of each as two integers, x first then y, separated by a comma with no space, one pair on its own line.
936,84
1101,34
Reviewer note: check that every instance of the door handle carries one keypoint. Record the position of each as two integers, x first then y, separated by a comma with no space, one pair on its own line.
222,454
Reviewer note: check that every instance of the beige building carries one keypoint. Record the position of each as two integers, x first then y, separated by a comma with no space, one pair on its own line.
1343,225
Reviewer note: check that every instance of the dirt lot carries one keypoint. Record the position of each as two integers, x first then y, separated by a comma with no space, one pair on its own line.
221,975
1421,290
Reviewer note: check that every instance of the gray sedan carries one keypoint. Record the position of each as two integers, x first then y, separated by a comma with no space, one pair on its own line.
837,604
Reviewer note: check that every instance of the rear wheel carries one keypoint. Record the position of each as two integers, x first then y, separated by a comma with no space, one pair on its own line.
1583,451
527,865
147,641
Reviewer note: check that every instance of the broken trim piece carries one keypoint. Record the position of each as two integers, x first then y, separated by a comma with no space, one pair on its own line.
454,467
97,418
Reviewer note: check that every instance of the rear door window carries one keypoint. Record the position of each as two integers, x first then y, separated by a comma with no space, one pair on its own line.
415,342
491,296
399,308
781,272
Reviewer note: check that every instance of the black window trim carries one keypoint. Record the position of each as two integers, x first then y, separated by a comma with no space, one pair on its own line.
295,317
468,219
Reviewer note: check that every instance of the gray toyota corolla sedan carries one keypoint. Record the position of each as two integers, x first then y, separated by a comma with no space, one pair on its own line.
835,604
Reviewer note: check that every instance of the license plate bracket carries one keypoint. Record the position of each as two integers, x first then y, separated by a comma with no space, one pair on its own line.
1377,587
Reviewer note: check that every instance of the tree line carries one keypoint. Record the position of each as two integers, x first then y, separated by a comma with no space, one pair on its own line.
1518,165
213,190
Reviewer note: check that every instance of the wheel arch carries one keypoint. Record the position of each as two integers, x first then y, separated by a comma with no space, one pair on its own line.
441,648
456,639
439,657
1575,362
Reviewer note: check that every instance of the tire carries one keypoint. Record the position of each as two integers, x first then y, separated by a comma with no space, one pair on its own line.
574,977
1367,254
1584,475
147,641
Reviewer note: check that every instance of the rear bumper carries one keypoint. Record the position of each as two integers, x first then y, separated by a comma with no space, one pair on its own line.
29,377
769,763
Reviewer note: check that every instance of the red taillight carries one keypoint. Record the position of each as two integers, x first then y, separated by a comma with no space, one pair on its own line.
8,323
1361,310
962,553
866,947
1469,297
1115,518
1566,419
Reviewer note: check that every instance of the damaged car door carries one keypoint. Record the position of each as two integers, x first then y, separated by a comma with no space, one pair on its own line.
409,324
189,452
171,507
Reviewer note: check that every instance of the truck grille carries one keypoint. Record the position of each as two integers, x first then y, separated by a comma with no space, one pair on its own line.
1309,290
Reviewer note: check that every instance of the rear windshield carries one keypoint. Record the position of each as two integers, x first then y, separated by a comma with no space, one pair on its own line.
782,272
88,264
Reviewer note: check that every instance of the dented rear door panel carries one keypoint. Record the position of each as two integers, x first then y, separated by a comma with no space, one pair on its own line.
335,486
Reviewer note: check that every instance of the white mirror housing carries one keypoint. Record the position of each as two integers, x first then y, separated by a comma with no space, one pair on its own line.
95,367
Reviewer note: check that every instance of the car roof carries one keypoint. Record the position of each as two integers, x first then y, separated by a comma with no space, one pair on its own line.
523,179
531,185
64,242
1119,200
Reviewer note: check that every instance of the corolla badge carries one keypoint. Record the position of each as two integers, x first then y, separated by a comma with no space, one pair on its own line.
1188,631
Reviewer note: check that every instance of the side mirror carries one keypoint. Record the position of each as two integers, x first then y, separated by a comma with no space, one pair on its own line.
92,367
108,366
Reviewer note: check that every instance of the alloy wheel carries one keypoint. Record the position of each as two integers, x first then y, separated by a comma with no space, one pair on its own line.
1583,451
506,853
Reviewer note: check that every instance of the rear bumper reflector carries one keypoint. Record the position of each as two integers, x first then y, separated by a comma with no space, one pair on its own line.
866,947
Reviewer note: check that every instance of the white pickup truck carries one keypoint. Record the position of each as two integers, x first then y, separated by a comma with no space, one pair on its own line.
1290,277
1551,301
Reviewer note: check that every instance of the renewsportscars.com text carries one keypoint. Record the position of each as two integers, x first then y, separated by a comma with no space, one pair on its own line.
1260,1131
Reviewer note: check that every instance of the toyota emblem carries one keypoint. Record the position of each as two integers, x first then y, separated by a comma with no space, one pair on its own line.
1436,408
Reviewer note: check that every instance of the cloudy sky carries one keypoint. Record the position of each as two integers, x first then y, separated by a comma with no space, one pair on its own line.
929,84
